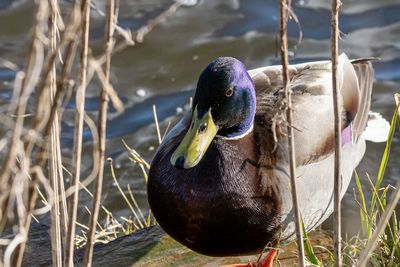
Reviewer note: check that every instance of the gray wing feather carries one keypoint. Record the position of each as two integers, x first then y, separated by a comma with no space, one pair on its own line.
311,86
365,74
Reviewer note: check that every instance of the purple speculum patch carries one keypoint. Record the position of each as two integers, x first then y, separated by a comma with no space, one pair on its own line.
346,135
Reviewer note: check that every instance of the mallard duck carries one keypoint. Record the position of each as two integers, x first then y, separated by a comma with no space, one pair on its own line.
219,182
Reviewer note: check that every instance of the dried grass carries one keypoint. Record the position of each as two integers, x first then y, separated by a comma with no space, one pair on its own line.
337,227
285,7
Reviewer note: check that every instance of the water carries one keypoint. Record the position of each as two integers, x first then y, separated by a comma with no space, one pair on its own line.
164,68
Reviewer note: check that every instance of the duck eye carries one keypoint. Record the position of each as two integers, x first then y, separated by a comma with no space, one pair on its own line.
202,127
229,92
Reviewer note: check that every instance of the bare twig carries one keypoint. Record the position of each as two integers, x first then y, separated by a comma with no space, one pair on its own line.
40,118
35,61
125,197
142,31
338,138
77,149
23,174
66,40
157,125
137,206
102,132
154,22
111,93
55,165
61,87
95,168
29,81
284,5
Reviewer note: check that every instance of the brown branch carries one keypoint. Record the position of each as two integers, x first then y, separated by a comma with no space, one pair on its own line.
30,80
284,5
55,165
102,132
144,30
41,117
139,35
77,148
35,61
338,139
31,193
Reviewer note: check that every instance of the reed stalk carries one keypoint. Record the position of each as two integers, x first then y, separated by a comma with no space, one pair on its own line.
55,170
43,118
35,143
284,6
338,137
109,43
30,80
157,125
79,115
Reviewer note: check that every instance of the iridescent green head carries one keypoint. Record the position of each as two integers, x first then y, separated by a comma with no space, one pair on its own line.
224,104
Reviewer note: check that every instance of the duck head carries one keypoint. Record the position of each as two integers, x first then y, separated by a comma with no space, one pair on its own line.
224,104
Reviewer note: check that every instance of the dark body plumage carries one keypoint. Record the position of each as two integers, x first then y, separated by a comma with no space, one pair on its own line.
206,206
237,198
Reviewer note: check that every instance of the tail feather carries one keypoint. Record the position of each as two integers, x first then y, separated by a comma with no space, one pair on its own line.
365,74
377,129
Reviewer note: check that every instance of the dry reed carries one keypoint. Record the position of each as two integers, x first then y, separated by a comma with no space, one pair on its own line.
84,10
55,170
338,134
109,43
284,7
16,149
32,159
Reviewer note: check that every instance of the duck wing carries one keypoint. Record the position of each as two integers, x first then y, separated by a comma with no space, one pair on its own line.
365,75
313,121
312,103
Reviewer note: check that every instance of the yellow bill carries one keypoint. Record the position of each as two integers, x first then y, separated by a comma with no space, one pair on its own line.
196,141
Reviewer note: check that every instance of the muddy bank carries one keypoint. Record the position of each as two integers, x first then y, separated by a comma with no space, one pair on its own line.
149,247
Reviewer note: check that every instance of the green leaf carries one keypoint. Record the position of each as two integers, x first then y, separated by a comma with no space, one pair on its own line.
365,222
311,257
386,153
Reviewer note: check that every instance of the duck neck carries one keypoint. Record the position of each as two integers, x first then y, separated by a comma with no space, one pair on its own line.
234,135
241,130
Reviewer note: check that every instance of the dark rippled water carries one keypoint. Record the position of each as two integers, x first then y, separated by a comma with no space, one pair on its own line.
164,68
